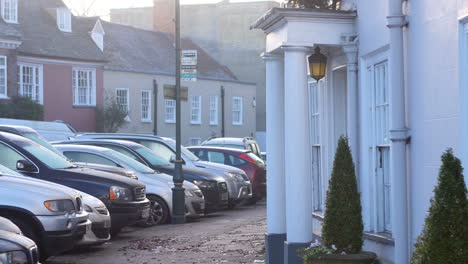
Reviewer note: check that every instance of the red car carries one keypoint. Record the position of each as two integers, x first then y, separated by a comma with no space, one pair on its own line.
243,159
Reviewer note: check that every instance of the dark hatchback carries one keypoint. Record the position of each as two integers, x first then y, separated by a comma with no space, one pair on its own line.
245,160
214,187
14,247
125,198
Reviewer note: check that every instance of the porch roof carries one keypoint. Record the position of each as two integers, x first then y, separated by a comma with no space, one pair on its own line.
305,27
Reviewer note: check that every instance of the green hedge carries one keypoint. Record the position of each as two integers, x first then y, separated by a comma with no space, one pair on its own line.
21,108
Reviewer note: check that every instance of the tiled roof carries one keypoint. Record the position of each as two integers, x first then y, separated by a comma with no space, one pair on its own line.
139,50
42,37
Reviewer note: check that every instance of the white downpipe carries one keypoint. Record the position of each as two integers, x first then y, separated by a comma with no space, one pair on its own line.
276,198
297,146
398,133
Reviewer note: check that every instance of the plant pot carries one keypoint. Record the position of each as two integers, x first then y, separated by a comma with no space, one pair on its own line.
364,257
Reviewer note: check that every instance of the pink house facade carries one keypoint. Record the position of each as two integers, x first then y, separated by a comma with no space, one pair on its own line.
54,61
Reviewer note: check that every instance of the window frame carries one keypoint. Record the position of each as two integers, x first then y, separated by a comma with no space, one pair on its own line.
198,139
214,115
90,91
4,67
127,90
173,107
148,118
40,80
197,110
239,122
378,143
15,9
315,114
65,14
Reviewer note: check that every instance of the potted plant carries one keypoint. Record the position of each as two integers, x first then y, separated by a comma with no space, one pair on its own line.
444,236
342,228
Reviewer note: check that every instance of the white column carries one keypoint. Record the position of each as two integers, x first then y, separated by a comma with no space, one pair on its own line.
352,122
276,198
398,134
297,147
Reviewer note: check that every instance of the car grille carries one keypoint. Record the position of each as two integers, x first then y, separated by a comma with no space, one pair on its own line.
140,193
197,207
223,186
34,254
102,210
198,193
100,232
79,204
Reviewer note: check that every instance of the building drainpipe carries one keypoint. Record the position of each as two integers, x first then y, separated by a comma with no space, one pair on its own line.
155,109
398,133
223,131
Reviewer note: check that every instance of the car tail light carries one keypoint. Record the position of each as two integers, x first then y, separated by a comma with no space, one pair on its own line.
246,157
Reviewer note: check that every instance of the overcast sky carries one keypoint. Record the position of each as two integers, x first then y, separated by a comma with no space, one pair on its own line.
101,7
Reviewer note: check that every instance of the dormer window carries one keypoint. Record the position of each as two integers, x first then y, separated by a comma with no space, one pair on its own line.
10,11
64,19
97,34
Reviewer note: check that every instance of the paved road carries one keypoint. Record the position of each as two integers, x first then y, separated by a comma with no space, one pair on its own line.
234,236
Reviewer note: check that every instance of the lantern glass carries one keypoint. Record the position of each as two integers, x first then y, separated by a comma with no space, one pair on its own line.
317,64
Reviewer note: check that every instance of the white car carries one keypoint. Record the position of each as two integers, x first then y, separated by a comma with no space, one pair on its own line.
99,231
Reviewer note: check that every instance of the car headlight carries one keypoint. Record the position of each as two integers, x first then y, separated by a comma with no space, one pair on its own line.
88,208
13,257
60,206
204,184
188,193
119,193
236,176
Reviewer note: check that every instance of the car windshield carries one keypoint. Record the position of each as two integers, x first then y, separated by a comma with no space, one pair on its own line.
152,157
48,157
135,165
42,141
7,171
185,152
165,152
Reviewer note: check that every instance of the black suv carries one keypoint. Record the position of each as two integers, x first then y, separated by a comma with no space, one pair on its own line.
125,198
214,187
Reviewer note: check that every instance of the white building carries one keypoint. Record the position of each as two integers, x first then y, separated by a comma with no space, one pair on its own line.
396,85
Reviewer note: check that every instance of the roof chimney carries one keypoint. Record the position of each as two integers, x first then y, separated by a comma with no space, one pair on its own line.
164,15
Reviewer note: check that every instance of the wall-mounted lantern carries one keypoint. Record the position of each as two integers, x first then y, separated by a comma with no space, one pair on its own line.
317,64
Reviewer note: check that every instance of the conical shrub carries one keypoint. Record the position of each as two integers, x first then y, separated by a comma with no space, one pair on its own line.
444,239
342,226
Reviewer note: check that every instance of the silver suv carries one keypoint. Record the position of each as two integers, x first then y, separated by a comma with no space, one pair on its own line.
247,143
51,215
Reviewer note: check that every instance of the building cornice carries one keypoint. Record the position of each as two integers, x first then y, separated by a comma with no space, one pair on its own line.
281,15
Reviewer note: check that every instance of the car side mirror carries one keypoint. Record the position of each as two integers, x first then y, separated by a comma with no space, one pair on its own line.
25,166
173,160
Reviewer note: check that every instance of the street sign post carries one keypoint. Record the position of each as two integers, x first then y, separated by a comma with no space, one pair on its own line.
189,63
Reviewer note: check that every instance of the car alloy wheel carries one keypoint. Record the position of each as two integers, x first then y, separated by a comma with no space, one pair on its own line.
159,212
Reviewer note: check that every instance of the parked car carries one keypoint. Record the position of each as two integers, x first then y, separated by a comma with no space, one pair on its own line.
247,143
158,185
48,130
214,187
14,247
98,214
238,183
51,215
125,198
99,233
245,160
